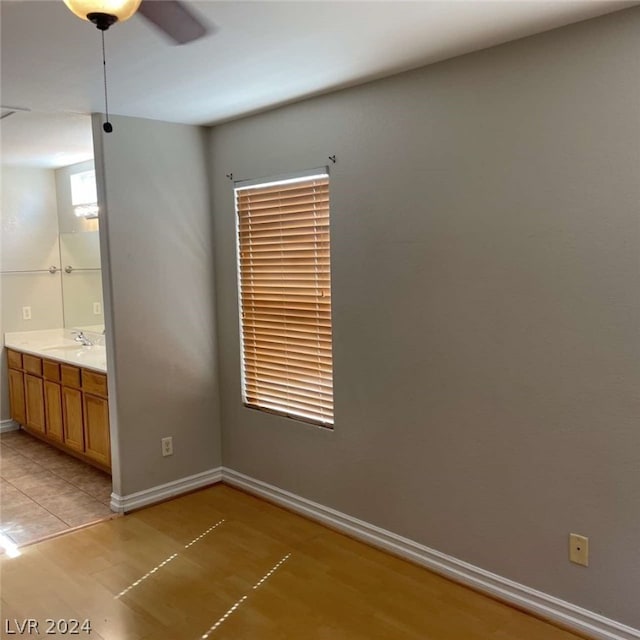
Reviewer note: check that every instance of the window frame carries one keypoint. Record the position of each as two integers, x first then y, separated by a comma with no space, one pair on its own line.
240,185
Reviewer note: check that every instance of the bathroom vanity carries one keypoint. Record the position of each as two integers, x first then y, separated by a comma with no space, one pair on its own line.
58,392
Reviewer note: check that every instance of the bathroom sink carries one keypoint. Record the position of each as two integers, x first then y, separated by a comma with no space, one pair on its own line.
67,347
91,356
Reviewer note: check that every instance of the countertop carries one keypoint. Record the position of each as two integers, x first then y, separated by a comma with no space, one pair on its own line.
58,344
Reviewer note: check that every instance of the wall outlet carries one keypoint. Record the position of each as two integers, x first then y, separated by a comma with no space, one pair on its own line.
97,308
26,313
579,549
167,446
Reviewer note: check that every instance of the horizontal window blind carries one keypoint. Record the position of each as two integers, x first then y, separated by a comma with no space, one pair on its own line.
285,297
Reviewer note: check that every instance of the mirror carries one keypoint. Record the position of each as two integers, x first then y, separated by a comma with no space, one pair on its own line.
81,281
44,229
79,241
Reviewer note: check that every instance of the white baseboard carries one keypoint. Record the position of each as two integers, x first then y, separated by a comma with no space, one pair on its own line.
548,607
8,425
121,504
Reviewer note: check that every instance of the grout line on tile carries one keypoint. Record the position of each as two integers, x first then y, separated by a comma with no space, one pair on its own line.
20,449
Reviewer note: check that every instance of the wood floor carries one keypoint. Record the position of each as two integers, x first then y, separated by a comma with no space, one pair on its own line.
221,564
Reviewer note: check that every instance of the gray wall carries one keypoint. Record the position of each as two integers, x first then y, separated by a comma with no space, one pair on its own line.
486,307
156,244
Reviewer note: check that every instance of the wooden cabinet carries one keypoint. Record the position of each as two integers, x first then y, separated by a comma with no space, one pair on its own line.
63,404
95,383
53,410
53,400
96,429
34,396
72,418
70,375
14,358
32,364
96,417
16,396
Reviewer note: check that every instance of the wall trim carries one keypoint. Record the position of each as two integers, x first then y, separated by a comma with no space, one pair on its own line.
546,606
122,504
8,425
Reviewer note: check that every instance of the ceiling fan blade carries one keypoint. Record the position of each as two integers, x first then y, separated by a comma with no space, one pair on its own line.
175,19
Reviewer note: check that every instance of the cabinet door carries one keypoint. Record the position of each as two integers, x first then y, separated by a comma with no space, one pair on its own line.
16,397
96,429
34,395
72,418
53,410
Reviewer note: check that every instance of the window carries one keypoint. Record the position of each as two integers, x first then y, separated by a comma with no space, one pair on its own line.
285,296
84,196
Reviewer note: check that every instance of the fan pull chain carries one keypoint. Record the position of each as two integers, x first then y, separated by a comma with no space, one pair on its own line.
107,126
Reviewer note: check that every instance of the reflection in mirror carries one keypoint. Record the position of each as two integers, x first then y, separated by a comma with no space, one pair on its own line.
43,230
80,247
81,280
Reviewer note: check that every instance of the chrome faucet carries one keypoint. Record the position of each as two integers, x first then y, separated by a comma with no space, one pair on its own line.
82,339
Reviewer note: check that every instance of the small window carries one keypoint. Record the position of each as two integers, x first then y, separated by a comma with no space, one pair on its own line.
285,297
84,194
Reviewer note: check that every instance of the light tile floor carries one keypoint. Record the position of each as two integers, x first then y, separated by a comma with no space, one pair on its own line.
44,491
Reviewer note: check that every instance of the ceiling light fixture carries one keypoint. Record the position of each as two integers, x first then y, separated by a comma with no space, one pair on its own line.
104,13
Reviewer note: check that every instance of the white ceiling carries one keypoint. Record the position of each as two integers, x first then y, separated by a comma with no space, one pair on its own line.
261,54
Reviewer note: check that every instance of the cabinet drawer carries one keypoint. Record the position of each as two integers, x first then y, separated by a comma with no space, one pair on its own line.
15,359
51,370
70,375
93,382
32,364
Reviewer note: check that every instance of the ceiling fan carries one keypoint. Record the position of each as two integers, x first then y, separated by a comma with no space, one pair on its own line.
172,17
